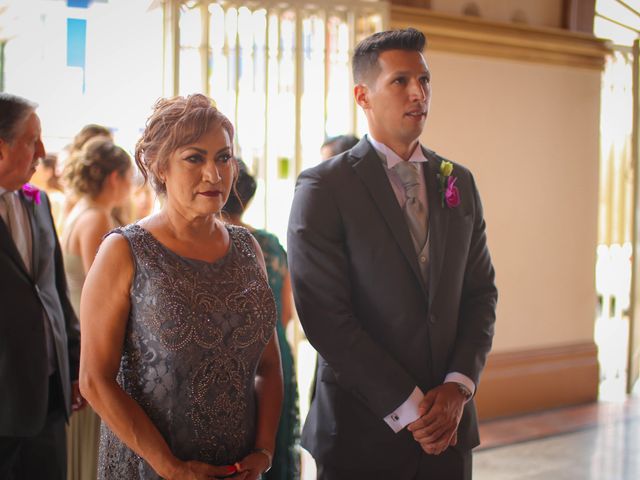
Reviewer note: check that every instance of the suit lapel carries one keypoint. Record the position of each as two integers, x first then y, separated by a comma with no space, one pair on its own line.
438,222
370,170
7,244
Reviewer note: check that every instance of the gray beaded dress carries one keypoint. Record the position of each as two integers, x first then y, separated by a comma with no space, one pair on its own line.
195,334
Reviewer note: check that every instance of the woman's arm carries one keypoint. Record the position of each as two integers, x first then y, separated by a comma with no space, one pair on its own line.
104,312
269,393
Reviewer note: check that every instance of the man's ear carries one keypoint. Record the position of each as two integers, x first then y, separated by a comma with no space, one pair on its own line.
4,146
361,94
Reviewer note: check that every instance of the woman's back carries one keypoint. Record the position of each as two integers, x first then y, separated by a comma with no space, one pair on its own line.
74,265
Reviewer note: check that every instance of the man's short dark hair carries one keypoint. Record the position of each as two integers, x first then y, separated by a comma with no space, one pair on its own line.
340,144
241,195
13,110
365,56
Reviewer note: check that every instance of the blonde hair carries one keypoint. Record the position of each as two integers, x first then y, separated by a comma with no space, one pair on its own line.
89,167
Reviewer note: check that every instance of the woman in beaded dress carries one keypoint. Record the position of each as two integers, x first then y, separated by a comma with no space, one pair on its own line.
179,356
286,457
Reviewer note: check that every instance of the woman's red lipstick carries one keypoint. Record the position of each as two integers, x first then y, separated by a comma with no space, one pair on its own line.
211,193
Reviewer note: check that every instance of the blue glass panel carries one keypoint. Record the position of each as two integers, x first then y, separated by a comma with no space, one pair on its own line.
78,3
76,42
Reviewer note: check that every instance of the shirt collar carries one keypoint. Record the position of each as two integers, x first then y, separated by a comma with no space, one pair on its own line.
391,157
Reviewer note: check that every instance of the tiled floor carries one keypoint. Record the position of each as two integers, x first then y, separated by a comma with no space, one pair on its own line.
592,442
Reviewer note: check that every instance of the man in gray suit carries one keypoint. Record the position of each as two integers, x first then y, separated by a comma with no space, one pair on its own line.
393,284
39,337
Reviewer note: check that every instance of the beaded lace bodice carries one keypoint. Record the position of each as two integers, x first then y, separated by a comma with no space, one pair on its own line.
195,335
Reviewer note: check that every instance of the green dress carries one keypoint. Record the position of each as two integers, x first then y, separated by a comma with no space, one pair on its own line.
286,458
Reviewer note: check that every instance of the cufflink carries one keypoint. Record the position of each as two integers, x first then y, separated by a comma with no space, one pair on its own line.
395,417
466,393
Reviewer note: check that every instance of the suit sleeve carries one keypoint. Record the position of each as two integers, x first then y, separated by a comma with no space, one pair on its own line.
478,301
71,321
320,269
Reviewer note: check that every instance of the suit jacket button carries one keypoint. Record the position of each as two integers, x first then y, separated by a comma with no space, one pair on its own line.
432,319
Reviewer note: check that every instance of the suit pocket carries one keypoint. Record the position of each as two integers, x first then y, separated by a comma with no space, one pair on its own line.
326,374
459,212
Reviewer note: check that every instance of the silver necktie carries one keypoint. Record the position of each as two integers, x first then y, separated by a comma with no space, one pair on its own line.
414,211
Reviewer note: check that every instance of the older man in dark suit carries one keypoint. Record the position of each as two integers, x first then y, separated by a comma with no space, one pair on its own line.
39,338
393,284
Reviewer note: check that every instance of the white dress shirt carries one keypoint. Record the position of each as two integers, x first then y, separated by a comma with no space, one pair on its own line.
408,411
21,231
23,240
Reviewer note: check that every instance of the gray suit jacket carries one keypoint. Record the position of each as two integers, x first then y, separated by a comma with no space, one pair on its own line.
365,308
24,298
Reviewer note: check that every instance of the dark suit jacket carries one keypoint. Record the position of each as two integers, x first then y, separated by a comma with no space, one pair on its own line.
364,306
24,299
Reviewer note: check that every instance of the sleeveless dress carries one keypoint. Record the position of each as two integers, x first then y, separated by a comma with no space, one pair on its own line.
286,457
83,431
195,334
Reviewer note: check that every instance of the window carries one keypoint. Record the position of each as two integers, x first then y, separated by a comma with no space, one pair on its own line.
281,72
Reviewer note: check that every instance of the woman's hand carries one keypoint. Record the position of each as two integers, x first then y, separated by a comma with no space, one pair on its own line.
252,466
194,470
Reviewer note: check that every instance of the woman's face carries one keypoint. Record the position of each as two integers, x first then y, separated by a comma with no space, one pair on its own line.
199,176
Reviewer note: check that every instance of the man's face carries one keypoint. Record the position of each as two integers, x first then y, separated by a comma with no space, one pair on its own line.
19,158
397,101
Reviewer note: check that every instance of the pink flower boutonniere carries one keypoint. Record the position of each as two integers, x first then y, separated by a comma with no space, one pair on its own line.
449,193
32,192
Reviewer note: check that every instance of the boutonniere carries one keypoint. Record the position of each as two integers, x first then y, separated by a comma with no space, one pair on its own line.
32,192
449,194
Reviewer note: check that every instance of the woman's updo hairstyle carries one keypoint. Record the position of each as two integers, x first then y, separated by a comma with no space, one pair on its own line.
89,167
88,132
175,122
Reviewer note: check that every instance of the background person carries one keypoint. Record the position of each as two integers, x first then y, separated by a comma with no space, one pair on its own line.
286,458
334,145
100,178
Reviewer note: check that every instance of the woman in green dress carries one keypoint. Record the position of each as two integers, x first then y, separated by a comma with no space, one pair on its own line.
286,458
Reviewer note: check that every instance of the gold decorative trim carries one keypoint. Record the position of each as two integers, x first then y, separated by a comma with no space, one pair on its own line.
473,36
538,379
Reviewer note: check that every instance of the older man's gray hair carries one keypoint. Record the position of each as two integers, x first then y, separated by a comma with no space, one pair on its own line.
13,110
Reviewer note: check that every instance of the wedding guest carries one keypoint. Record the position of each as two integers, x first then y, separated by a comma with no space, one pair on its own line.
47,178
100,177
178,353
333,146
39,344
88,132
85,134
142,198
286,458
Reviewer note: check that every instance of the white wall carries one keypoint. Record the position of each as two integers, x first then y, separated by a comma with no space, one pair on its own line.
542,13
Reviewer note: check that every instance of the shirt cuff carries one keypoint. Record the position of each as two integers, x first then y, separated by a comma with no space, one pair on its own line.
406,413
457,377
